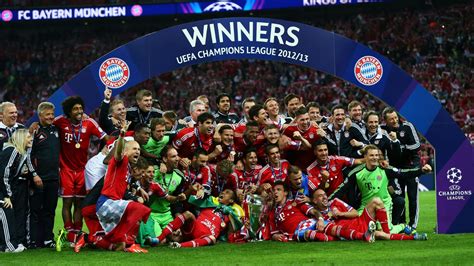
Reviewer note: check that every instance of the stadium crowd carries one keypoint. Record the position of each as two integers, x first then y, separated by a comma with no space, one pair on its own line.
326,168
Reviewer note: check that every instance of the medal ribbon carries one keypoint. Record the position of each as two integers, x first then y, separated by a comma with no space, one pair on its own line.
277,178
196,133
141,117
77,138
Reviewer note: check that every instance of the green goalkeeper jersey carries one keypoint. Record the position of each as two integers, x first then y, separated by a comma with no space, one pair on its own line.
363,184
373,184
171,183
155,147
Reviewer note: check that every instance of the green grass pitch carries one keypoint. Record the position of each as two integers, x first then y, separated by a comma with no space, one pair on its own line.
438,250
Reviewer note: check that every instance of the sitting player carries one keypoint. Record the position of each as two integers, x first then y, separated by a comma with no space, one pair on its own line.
289,219
216,213
344,221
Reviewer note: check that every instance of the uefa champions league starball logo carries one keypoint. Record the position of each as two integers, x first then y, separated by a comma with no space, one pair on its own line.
454,175
222,6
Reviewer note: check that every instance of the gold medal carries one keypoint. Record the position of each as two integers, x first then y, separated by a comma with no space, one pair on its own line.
77,145
293,204
222,224
326,185
330,214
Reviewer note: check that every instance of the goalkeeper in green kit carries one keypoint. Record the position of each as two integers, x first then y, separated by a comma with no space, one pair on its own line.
171,180
371,180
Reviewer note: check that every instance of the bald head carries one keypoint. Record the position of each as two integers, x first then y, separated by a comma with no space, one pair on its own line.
132,151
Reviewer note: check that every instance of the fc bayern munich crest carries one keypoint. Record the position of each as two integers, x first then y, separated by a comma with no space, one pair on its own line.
114,73
368,70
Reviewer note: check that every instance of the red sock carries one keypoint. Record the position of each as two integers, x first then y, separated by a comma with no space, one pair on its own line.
349,234
71,232
401,237
381,216
315,235
78,226
344,232
200,242
68,226
174,225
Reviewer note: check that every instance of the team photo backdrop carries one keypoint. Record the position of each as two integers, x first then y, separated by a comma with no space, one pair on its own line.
295,43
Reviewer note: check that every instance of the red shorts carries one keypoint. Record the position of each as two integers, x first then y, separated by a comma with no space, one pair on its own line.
91,220
359,224
72,183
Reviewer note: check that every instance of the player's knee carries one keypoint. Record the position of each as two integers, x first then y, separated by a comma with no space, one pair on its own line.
213,239
188,215
67,202
377,203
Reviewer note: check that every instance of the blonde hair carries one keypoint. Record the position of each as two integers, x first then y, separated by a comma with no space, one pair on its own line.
18,140
367,148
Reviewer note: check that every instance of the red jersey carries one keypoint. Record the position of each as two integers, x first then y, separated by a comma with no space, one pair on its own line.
240,145
285,219
334,166
70,135
201,176
242,179
268,174
116,179
156,189
303,158
336,203
239,130
210,223
188,140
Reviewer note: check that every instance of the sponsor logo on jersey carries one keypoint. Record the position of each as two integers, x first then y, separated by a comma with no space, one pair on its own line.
114,73
368,70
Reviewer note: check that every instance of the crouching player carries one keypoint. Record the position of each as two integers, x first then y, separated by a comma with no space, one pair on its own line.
343,221
96,236
120,218
216,214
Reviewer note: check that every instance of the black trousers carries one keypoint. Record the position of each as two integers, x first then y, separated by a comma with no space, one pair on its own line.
8,238
43,204
398,208
21,209
411,185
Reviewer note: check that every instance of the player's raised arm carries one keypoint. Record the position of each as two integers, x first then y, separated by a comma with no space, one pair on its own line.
120,147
